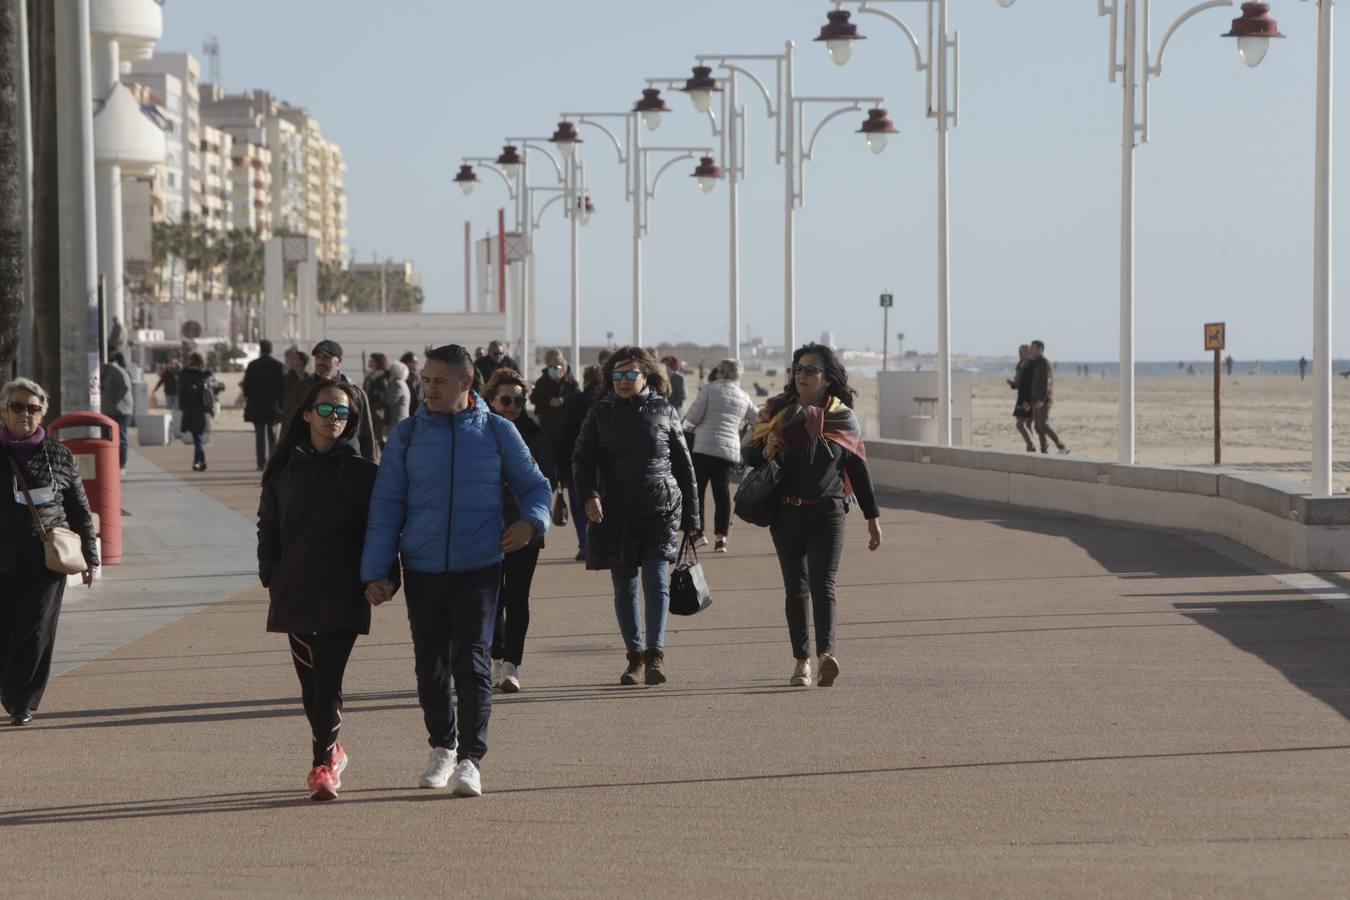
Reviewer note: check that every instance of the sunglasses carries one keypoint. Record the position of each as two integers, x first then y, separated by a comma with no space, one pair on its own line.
511,401
631,375
20,408
328,409
808,370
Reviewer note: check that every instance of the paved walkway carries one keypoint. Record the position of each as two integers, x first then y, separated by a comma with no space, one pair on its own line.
1031,706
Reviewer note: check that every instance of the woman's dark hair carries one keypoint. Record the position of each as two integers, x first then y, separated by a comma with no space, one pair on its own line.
297,429
196,361
835,374
380,360
656,379
500,379
303,358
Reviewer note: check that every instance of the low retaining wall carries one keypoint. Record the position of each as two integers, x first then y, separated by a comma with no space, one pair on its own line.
1269,515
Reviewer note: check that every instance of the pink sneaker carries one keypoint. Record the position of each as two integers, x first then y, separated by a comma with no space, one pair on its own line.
339,760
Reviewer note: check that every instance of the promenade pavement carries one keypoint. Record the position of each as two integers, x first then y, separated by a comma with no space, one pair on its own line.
1030,706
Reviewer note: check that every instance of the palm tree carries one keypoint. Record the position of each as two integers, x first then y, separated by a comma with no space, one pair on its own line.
11,192
46,235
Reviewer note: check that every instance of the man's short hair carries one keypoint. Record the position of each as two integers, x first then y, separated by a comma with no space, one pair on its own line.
265,347
452,355
1039,345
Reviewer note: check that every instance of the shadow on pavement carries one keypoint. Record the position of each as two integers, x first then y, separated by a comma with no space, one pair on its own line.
263,800
1304,640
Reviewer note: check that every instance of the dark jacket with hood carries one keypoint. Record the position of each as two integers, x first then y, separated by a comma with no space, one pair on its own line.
542,452
52,465
311,529
360,404
631,454
193,385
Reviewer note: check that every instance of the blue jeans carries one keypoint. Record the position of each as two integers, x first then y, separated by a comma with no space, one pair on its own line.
656,593
123,426
578,509
198,449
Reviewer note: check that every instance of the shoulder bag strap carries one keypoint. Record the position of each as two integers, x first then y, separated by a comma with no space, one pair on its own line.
32,507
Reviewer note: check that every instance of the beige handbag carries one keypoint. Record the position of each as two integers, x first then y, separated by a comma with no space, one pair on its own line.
62,548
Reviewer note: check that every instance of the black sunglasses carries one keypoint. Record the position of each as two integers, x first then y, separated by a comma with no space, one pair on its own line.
631,375
504,400
808,370
20,408
328,409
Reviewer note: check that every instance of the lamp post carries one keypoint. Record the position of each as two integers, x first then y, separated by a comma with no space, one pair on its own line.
524,197
940,61
791,146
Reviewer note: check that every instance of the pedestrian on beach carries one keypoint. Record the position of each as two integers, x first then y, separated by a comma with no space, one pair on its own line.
575,410
438,505
397,398
117,402
414,379
506,397
812,431
633,471
1042,377
719,416
328,368
551,392
311,527
1021,383
1302,367
31,593
263,388
197,392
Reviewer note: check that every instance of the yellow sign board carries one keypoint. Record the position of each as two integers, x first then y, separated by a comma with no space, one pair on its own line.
1214,336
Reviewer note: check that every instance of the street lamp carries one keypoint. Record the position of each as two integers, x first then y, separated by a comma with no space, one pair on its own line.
700,87
566,139
466,178
650,107
839,33
510,161
878,129
708,174
1253,30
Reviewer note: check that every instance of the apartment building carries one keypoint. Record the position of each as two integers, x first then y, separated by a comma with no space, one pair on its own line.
185,141
215,207
333,205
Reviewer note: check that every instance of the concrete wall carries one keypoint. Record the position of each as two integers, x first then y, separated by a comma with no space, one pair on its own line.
1269,515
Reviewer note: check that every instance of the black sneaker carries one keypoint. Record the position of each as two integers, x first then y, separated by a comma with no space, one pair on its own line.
22,716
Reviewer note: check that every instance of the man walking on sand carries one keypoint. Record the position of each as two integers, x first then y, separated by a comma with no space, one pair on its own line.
1042,378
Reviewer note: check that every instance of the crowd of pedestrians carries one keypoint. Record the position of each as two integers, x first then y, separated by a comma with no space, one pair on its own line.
438,478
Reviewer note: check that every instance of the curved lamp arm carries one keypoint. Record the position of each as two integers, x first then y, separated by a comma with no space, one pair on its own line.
539,216
811,144
768,100
1156,68
529,144
618,147
919,64
688,154
483,164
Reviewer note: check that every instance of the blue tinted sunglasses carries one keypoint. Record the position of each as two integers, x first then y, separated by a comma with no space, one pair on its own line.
631,375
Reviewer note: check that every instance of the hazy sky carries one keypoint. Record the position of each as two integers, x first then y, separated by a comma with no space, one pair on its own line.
1224,203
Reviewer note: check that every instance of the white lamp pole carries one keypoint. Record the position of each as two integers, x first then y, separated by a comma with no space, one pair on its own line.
1321,450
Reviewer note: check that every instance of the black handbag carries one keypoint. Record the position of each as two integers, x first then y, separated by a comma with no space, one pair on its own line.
559,508
689,591
757,498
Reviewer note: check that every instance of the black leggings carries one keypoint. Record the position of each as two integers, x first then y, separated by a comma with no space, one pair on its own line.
716,470
30,603
513,605
320,659
809,541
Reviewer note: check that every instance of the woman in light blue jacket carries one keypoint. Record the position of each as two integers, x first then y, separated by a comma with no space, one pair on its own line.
437,504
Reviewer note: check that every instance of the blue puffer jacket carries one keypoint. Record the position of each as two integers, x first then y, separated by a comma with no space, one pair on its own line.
438,495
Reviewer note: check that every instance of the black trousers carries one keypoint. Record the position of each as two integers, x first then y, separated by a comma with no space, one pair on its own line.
264,436
809,541
1041,418
513,611
320,660
30,603
715,471
451,615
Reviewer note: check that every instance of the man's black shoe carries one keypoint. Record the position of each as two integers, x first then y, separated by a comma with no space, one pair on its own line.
22,716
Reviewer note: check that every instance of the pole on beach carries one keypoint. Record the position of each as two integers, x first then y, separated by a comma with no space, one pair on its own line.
1216,339
1217,455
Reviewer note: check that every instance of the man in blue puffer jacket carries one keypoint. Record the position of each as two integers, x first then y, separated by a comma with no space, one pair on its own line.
438,503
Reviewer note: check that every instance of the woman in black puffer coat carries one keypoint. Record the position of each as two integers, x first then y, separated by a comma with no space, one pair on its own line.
311,528
30,593
634,472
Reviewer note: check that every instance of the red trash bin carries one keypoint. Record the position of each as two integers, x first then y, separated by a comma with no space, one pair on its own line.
101,472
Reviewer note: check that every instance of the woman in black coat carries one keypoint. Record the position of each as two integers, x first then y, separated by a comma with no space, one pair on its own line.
30,593
197,389
311,528
505,395
634,472
575,410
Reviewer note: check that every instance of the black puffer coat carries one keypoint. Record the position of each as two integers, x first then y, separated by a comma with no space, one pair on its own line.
52,465
311,529
631,454
537,442
193,385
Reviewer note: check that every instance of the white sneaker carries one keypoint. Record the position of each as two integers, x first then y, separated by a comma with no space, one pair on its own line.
701,542
801,674
1063,451
464,781
439,766
510,683
496,674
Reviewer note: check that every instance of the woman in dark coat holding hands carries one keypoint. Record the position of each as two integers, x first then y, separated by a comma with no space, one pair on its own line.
634,472
30,593
311,530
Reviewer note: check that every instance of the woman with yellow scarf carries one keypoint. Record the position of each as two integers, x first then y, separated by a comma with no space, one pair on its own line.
814,435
